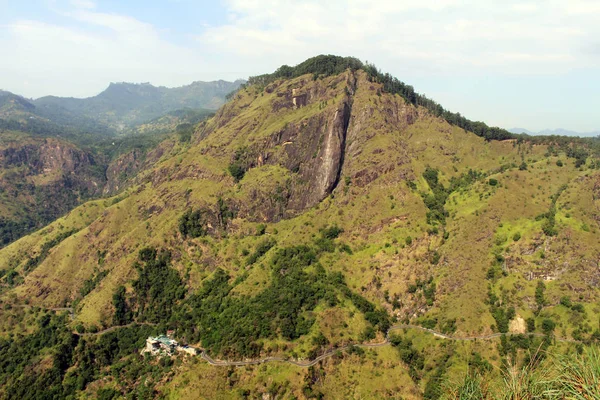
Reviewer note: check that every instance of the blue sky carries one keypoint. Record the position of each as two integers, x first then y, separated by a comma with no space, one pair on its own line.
532,64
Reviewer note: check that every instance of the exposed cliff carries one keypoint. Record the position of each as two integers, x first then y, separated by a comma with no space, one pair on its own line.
42,179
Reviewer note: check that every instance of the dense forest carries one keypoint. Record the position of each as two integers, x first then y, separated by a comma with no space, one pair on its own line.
234,325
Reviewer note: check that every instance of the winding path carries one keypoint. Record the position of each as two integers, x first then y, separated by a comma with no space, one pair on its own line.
386,342
310,363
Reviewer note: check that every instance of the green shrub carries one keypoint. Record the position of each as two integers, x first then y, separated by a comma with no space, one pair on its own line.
261,229
578,308
191,224
548,326
530,324
237,171
566,301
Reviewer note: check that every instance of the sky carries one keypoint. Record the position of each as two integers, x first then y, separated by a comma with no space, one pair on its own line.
528,64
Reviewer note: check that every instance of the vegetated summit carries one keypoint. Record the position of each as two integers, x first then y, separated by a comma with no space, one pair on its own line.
321,206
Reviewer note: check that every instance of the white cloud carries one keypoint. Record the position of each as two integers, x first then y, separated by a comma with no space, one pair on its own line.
84,4
80,60
416,40
513,37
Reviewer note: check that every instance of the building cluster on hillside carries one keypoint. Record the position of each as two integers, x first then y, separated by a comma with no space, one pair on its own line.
163,345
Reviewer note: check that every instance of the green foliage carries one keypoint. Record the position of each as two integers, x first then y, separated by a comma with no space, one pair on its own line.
579,374
122,313
261,250
235,325
325,242
322,65
435,257
238,167
448,327
493,182
540,299
548,326
566,301
429,323
224,213
479,364
471,387
33,262
11,230
580,154
530,324
261,229
517,236
559,163
108,394
578,307
191,224
502,313
409,355
394,86
523,166
237,171
549,226
185,132
427,287
331,232
158,288
436,201
18,380
90,284
566,376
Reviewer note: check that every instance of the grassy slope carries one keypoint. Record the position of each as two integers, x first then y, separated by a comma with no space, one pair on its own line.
388,142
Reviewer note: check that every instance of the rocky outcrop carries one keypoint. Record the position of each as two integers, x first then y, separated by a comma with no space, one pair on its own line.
41,180
314,151
52,158
122,171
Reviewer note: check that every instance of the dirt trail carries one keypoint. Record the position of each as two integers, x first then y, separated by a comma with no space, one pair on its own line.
309,363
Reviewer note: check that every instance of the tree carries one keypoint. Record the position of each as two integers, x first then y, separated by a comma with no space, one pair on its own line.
191,224
548,326
540,299
122,313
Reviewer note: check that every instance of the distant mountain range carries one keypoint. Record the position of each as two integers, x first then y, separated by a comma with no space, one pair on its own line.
120,106
559,131
56,152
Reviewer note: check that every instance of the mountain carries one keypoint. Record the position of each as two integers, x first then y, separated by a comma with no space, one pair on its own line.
555,132
326,212
123,105
11,103
49,167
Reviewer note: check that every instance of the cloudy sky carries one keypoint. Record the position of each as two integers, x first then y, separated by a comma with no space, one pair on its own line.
531,64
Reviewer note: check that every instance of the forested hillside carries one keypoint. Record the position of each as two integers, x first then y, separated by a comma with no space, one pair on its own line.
328,213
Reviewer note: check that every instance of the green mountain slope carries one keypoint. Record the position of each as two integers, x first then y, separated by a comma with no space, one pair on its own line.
123,105
47,167
313,211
